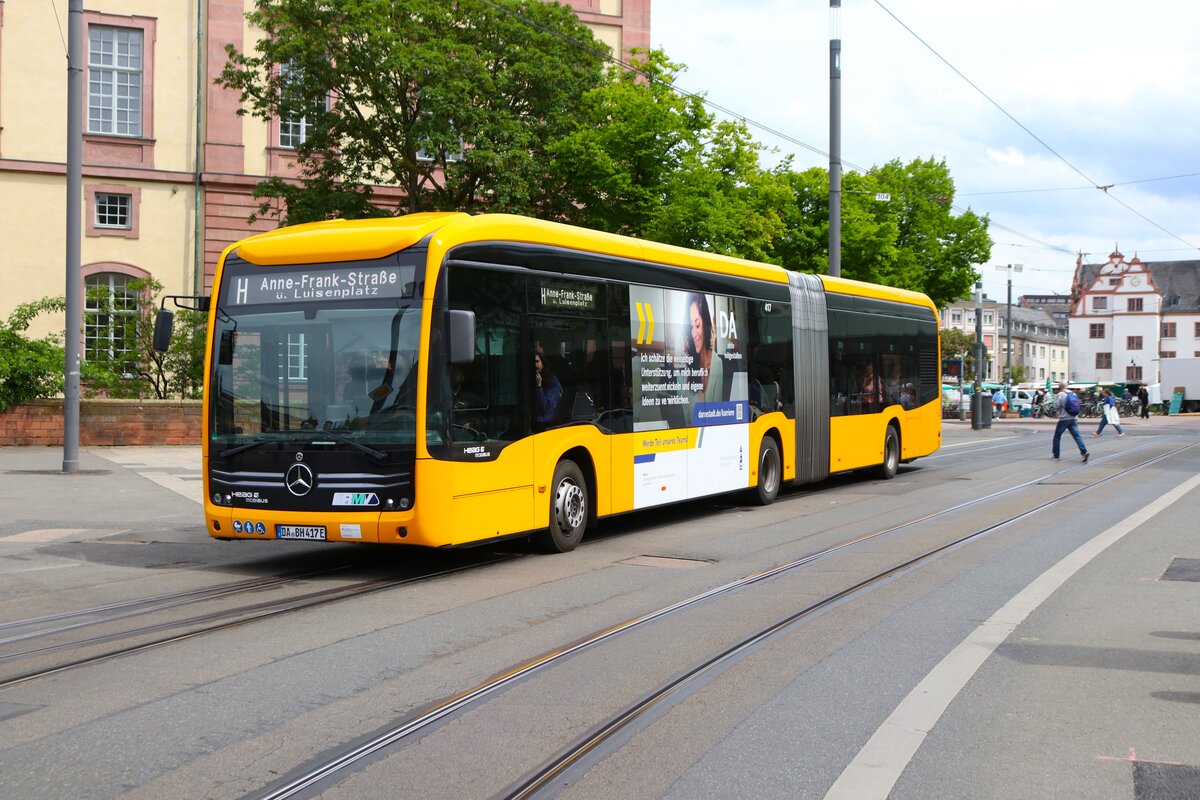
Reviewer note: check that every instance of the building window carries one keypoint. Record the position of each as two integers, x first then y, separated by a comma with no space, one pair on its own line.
1168,330
1099,303
1042,351
1166,354
114,80
1114,281
114,211
987,318
1096,330
1103,360
956,319
294,125
110,321
1133,373
1134,304
1196,330
293,131
1041,372
1133,343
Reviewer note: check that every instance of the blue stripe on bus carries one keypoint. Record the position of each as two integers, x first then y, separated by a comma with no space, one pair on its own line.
643,459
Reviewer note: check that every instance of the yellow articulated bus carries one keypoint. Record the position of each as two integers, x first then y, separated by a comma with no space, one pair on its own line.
448,379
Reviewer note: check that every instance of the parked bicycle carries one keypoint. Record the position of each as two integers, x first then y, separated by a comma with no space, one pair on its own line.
1128,408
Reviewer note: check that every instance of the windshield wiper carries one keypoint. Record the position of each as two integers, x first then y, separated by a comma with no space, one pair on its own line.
233,451
378,455
312,437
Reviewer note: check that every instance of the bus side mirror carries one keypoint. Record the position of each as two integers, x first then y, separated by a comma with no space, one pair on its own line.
162,330
462,336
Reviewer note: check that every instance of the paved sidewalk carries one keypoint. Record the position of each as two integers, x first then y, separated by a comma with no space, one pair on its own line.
109,493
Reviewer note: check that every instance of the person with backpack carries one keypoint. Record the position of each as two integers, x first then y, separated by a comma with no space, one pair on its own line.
1068,412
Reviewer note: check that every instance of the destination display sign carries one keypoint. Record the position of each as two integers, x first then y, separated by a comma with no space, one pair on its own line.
564,295
321,284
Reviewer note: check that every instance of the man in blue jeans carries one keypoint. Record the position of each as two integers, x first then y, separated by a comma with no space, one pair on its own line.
1066,422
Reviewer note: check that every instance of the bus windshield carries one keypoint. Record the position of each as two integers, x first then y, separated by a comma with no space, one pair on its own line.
289,368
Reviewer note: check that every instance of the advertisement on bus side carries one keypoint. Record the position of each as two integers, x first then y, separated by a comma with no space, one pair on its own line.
690,394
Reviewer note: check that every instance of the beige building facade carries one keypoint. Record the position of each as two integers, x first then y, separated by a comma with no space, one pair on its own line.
168,164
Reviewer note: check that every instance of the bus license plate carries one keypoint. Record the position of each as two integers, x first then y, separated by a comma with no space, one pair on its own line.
300,532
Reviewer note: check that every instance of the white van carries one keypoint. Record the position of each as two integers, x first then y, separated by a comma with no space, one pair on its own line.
1021,398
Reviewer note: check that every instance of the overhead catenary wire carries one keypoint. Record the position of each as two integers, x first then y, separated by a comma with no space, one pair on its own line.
1095,184
728,112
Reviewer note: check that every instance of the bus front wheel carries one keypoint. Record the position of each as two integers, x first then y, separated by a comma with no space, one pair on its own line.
770,472
891,454
568,510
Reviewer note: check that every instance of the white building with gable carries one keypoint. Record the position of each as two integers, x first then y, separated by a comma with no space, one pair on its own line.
1127,315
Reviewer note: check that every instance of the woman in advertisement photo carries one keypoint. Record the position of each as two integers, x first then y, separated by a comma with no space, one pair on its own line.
707,368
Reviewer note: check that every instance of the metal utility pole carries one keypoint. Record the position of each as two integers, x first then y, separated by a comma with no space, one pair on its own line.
1008,329
835,138
977,394
74,291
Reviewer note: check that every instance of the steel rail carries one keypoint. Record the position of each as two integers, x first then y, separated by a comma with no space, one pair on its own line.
148,605
426,719
257,612
538,780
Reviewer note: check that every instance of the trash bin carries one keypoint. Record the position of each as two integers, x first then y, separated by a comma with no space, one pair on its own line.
1026,411
981,409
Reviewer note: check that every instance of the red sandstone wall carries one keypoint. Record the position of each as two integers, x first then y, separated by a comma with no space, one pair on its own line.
103,423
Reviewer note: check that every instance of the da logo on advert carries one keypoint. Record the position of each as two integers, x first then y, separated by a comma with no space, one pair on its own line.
360,499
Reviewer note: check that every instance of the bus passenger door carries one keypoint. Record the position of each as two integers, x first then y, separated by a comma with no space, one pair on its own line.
493,478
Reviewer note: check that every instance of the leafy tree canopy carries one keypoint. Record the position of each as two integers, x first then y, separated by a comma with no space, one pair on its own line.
647,161
456,103
911,240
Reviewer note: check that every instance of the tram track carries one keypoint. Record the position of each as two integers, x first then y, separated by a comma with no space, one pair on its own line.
193,626
422,723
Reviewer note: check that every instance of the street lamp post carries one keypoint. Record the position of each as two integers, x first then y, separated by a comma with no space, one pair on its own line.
835,138
1011,268
977,394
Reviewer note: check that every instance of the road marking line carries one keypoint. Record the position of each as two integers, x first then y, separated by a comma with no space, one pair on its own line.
44,535
874,771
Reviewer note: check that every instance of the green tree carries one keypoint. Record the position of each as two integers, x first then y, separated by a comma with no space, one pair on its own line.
935,250
30,368
911,240
956,343
644,160
455,103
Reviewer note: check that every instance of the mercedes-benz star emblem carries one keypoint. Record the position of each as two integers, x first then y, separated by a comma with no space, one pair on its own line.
299,479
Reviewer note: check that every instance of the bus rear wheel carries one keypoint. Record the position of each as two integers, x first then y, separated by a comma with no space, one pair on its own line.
568,510
891,454
770,472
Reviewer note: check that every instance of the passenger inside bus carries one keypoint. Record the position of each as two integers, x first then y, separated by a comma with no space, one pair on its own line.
547,392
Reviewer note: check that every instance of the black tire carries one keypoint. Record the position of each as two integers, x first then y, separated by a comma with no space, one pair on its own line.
568,510
770,472
891,454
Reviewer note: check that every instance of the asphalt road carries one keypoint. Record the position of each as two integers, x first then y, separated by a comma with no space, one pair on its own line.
1054,655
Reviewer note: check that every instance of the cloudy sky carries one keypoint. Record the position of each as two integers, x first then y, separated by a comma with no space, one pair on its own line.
1112,88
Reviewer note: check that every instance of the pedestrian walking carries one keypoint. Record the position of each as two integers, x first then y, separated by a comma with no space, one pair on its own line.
1108,413
1068,411
1143,397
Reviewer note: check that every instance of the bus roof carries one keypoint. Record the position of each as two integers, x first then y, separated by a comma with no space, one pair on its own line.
354,240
